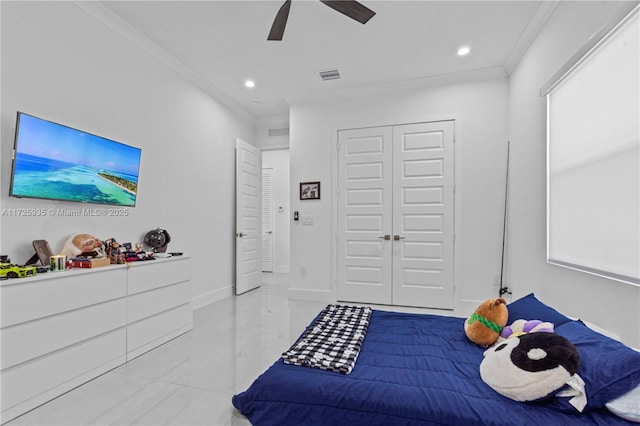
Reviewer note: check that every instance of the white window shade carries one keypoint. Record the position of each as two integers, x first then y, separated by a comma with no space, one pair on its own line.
593,177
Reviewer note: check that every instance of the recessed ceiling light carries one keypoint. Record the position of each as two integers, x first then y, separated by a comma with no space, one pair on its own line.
250,84
464,50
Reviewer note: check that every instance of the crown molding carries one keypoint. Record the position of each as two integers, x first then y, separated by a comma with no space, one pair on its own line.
535,25
117,24
401,86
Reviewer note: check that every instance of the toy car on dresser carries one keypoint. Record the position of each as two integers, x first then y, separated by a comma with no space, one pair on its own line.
9,270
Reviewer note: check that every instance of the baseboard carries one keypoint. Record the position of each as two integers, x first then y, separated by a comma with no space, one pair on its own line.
210,297
313,295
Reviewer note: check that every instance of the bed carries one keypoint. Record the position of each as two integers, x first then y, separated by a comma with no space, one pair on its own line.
415,369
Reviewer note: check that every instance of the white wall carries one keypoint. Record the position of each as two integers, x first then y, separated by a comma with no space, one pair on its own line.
278,161
61,64
613,305
480,111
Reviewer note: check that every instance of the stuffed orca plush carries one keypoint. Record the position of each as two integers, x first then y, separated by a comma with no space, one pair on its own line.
531,366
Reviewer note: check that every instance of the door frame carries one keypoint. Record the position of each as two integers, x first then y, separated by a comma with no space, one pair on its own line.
350,125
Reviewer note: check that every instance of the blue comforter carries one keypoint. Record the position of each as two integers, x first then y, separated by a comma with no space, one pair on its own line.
412,370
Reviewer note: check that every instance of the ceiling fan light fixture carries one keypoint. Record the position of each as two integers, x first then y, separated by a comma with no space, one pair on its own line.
350,8
329,75
279,24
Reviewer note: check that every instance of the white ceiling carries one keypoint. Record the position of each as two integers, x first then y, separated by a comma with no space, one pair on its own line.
219,44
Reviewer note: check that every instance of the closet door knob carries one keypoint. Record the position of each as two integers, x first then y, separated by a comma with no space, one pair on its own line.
397,238
386,237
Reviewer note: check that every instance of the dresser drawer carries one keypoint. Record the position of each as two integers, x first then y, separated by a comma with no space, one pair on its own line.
142,305
144,276
158,329
59,292
29,340
26,386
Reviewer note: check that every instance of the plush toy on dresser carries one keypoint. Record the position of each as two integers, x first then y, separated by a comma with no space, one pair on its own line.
83,245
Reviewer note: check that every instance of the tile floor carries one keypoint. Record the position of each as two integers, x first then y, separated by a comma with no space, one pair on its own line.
191,379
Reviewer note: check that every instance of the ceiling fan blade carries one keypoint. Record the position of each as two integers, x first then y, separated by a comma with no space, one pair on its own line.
280,22
352,9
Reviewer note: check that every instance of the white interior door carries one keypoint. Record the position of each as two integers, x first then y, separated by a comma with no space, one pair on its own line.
267,220
364,215
423,197
395,215
248,216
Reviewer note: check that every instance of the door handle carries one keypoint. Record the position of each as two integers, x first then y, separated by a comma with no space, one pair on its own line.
397,238
239,234
386,237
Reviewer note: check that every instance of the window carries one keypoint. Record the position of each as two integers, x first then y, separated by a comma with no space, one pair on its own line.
593,156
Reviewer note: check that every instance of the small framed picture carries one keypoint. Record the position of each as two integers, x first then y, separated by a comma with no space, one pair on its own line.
309,190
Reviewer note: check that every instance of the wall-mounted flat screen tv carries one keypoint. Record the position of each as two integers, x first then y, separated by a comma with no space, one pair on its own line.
56,162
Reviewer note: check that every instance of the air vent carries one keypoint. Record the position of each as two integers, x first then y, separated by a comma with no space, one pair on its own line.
329,75
279,132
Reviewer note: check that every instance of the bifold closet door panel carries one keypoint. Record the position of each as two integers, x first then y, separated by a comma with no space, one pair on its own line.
423,214
364,215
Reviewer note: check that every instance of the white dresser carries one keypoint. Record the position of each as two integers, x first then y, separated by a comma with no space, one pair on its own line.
61,329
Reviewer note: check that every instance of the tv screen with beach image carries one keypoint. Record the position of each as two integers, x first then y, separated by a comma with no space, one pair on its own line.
57,162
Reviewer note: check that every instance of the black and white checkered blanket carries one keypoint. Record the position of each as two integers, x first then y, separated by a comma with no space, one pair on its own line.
332,342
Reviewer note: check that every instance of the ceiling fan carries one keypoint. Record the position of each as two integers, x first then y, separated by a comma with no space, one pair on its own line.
350,8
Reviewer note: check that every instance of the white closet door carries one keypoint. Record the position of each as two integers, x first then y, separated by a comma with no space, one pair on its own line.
396,215
423,216
267,220
364,215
